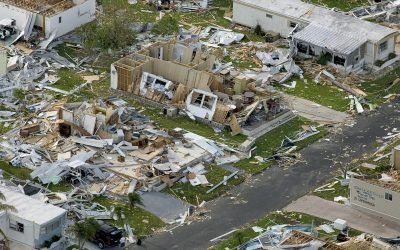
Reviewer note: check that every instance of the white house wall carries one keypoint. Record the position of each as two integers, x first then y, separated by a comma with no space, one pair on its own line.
251,16
41,238
19,15
369,53
26,237
71,18
371,198
390,49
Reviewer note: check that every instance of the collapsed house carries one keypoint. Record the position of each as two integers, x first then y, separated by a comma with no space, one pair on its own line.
377,195
107,148
346,42
176,76
302,236
53,18
32,223
381,9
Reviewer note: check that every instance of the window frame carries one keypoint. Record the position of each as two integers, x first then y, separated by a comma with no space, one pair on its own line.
383,46
16,226
388,196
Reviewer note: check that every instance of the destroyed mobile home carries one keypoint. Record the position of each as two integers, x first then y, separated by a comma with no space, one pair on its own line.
347,42
107,148
304,236
179,77
49,19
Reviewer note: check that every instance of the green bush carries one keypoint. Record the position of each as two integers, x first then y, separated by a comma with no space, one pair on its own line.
108,32
391,56
47,243
258,30
324,58
379,63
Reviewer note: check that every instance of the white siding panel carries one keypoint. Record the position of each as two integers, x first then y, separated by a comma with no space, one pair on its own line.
250,16
19,15
71,18
372,198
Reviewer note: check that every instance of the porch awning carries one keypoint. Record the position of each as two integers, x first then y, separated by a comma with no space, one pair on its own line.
331,40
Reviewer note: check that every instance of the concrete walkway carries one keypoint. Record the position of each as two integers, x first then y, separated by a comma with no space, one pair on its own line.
165,206
356,219
314,111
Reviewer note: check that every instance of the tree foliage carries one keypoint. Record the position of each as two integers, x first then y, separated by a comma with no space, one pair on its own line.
5,207
107,32
84,230
134,199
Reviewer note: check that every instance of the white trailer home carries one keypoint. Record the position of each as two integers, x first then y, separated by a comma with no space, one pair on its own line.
347,41
54,17
376,196
33,223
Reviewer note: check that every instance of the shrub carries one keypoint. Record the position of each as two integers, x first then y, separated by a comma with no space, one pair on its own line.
324,58
108,32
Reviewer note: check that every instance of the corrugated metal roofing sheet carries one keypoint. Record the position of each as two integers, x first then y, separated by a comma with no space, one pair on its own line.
327,38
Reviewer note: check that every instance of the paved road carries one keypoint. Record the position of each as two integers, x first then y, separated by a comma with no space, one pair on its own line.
356,219
276,187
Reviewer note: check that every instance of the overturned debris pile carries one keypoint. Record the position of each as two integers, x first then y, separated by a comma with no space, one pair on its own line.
106,148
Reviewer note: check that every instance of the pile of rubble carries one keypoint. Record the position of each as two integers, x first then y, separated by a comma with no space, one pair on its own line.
108,148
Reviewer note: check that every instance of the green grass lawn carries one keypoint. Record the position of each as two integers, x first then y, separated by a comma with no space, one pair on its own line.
344,5
19,172
63,186
339,191
144,223
245,234
134,11
69,79
375,88
191,194
186,123
71,54
328,96
270,141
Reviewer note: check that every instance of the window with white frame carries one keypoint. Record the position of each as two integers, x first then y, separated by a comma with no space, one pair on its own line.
17,226
383,46
388,197
292,24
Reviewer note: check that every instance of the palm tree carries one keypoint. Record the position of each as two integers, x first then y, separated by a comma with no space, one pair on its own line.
134,199
5,207
84,230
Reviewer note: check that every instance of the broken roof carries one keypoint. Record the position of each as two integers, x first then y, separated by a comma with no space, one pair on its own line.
297,238
337,21
330,39
44,7
31,209
389,181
